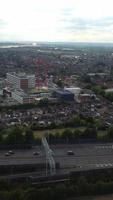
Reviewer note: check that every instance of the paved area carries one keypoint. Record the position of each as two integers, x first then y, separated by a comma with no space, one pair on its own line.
85,156
23,157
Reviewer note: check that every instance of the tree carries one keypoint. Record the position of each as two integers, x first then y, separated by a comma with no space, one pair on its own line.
77,134
60,83
43,102
83,185
28,136
67,134
98,90
76,120
98,123
1,137
109,96
110,132
90,120
86,78
89,133
15,136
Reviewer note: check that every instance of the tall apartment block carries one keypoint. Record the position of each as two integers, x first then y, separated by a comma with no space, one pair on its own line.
21,80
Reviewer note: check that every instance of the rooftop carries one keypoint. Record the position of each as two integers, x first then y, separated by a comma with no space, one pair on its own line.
63,91
21,75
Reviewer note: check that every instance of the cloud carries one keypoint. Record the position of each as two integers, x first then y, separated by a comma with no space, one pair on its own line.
81,23
56,20
3,24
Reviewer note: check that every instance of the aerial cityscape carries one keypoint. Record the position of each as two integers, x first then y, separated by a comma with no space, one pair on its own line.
56,100
56,113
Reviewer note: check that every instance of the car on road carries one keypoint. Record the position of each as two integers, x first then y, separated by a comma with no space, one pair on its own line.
11,152
7,154
70,153
36,153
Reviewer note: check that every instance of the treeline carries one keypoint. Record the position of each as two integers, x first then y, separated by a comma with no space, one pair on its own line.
77,135
16,136
73,136
82,187
100,90
19,135
75,121
80,129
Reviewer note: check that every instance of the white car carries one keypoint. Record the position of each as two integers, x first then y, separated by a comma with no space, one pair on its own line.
11,152
36,153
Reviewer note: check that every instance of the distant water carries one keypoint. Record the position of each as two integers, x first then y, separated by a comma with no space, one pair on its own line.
13,46
65,45
10,46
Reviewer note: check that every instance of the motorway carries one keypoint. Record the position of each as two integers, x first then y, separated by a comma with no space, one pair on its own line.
22,157
85,156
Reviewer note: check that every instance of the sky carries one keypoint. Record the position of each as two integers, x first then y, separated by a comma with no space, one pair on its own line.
56,20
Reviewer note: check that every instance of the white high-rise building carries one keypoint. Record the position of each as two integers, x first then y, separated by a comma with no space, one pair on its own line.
21,80
31,81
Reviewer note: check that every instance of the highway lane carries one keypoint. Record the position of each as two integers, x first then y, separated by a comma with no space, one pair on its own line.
85,156
83,149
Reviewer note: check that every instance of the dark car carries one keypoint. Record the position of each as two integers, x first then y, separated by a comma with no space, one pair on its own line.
7,154
70,153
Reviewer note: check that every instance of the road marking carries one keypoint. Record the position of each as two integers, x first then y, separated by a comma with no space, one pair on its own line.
110,164
104,165
104,147
97,165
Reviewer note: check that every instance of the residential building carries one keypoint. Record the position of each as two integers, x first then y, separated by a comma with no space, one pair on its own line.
21,80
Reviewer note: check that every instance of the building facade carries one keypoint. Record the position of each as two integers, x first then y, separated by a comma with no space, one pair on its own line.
21,80
22,97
